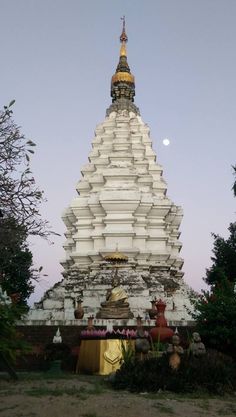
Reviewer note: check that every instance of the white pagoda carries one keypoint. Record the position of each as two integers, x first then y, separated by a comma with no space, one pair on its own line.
121,206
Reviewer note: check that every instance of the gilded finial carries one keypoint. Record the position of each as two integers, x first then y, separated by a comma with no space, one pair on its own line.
122,82
123,36
123,39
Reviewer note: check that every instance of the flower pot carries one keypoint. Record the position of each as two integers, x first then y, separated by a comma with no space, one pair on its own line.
79,311
153,311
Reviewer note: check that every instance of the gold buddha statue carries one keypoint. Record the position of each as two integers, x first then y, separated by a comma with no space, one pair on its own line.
116,305
116,295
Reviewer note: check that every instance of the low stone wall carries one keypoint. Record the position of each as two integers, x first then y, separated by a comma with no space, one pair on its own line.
42,335
39,336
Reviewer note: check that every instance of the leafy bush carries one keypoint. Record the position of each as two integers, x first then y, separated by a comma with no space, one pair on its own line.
215,313
11,341
127,352
214,373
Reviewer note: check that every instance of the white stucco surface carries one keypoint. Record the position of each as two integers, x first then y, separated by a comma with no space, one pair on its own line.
121,203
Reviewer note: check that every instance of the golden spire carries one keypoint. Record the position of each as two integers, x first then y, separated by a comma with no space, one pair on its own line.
122,82
123,39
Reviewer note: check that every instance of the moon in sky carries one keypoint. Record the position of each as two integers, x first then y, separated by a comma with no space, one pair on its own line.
166,142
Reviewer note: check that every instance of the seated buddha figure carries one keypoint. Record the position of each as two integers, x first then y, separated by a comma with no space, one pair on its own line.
116,296
197,348
116,304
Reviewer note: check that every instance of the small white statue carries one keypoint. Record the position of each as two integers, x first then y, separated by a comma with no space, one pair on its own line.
57,338
4,299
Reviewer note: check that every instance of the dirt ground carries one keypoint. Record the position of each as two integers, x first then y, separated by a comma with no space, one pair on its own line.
38,395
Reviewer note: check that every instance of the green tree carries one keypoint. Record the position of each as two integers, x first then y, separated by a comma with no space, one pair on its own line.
15,261
215,310
20,217
215,314
11,342
224,259
20,199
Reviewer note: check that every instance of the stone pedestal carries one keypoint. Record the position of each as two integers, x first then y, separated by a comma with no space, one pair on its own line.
115,311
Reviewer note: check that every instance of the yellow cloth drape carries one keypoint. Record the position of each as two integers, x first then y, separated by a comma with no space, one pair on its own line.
100,356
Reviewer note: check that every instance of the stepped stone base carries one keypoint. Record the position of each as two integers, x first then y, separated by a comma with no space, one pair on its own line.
59,302
121,312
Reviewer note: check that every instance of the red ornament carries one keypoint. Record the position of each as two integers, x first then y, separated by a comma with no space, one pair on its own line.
161,332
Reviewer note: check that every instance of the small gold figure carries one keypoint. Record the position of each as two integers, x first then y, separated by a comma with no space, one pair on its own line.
175,351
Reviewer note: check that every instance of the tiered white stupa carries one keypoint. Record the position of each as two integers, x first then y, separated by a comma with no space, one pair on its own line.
122,204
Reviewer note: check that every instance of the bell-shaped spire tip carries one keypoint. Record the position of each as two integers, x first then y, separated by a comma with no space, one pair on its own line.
123,36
